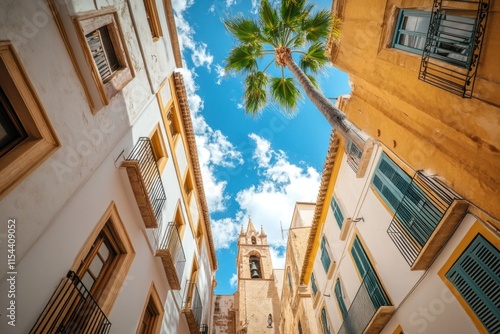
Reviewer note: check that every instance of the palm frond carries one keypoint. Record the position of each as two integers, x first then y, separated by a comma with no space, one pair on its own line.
268,16
285,92
243,58
314,59
245,30
255,92
317,26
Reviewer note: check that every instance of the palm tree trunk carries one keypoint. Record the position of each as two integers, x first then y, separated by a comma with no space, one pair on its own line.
337,119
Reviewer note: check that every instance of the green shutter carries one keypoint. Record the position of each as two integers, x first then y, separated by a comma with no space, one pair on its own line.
340,298
476,276
337,213
324,322
390,181
325,257
313,285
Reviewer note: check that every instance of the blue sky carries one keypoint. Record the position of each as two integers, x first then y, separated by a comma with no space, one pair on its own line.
257,167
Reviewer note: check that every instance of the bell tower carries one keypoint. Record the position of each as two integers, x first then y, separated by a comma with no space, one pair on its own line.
258,299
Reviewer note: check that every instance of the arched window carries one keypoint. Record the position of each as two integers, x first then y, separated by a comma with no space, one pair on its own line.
255,267
254,240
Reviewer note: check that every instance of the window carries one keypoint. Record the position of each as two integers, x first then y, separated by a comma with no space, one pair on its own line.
314,287
475,275
324,321
153,20
299,328
340,298
95,268
152,314
173,123
179,221
452,40
337,213
325,256
254,240
390,182
289,275
158,146
106,53
368,275
354,154
26,136
188,186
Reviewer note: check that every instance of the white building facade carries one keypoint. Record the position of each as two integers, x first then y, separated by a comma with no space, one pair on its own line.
100,181
394,250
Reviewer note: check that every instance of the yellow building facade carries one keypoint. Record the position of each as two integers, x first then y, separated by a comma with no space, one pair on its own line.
408,83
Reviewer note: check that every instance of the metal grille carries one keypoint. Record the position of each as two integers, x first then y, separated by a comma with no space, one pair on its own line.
168,239
454,40
193,301
204,329
423,206
144,155
365,304
72,309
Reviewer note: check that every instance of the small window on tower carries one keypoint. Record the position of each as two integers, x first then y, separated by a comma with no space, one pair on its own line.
254,240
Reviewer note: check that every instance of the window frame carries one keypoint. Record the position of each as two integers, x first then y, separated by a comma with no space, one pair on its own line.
41,140
158,146
118,271
337,212
478,228
153,19
87,23
153,301
324,321
339,294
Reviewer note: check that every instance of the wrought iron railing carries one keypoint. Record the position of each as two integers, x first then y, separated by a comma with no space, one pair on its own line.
168,239
144,155
193,301
369,298
72,309
456,40
423,206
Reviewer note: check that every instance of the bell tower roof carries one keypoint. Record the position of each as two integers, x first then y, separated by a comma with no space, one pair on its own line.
250,228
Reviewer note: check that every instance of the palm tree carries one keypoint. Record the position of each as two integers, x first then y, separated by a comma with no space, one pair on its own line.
283,29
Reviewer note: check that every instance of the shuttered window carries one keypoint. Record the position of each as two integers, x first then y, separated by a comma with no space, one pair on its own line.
300,328
290,285
12,131
390,182
324,322
340,298
314,287
476,276
325,257
103,52
367,272
337,213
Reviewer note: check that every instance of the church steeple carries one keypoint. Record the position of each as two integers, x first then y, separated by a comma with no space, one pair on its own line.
250,228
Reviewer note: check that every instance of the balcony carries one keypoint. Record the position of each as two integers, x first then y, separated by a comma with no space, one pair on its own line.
146,182
192,308
425,219
456,40
71,309
370,309
169,248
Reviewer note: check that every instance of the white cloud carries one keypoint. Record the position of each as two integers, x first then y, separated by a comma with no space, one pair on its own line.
211,9
224,232
201,57
221,73
233,281
262,152
278,256
240,106
229,3
255,6
270,203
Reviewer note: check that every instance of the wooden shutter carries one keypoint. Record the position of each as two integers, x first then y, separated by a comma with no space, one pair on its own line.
340,298
325,257
476,276
390,181
313,285
337,213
